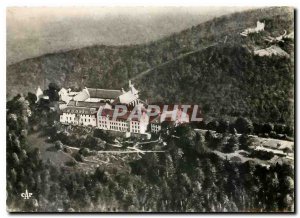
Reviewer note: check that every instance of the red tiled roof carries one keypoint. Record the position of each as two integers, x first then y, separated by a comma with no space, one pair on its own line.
110,114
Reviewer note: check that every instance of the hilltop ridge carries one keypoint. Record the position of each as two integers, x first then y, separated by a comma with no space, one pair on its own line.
202,77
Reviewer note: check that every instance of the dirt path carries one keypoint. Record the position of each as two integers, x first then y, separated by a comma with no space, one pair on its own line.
270,143
276,146
172,60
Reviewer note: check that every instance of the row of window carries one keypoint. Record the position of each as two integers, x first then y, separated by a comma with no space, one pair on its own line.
102,126
117,124
70,118
114,125
138,128
86,115
73,118
155,127
118,128
76,111
86,120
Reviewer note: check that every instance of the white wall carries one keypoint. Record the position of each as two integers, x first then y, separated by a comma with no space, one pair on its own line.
84,119
87,120
115,125
67,118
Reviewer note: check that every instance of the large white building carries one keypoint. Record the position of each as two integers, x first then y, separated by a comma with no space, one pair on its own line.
260,26
80,113
95,107
121,123
79,116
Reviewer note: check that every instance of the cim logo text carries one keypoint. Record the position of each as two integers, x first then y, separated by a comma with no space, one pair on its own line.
26,195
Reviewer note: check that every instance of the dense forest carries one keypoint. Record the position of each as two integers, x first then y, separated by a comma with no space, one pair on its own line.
111,66
187,177
210,65
225,79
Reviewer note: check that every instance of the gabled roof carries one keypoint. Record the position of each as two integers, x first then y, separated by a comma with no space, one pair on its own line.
127,98
82,96
63,91
104,93
110,113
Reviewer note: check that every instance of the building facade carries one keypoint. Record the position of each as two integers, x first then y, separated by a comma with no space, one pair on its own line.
95,107
98,108
79,116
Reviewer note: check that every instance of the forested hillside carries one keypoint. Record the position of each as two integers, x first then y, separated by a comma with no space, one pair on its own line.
226,79
219,165
187,176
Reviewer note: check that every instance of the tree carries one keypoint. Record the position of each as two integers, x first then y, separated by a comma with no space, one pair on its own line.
15,158
166,125
288,201
183,130
213,125
84,151
232,145
209,135
200,143
288,183
245,142
101,175
31,98
243,125
23,154
79,157
13,175
275,114
267,128
233,131
223,126
59,145
53,90
287,150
